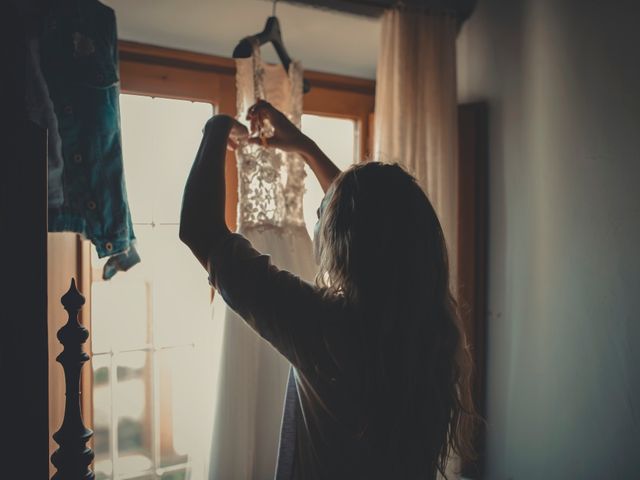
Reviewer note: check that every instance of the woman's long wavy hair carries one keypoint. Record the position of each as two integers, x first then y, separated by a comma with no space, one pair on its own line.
382,249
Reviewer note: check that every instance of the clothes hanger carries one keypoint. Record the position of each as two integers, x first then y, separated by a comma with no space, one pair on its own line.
270,34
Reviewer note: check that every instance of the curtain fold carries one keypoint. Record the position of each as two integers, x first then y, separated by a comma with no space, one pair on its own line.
416,120
416,107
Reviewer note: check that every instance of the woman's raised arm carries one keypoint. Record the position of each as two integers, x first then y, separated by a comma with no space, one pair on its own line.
202,221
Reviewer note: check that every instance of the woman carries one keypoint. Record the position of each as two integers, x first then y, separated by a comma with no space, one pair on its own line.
382,368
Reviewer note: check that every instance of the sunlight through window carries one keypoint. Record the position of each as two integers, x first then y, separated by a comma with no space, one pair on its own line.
146,322
337,137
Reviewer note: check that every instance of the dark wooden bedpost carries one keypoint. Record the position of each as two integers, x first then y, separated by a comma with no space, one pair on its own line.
73,458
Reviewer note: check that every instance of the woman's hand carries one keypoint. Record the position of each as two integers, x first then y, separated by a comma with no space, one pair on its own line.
237,134
285,135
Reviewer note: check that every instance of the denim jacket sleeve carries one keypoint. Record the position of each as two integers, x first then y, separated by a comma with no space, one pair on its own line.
79,60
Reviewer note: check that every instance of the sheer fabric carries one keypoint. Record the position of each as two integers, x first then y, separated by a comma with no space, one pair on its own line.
253,376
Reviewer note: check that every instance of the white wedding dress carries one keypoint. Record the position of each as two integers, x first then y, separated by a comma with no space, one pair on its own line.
253,375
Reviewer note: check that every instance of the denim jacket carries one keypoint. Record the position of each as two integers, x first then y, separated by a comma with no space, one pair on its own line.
79,60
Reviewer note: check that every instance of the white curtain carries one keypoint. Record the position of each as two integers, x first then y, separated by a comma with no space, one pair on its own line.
416,113
416,107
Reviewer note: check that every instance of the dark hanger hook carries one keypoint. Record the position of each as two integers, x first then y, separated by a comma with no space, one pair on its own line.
273,8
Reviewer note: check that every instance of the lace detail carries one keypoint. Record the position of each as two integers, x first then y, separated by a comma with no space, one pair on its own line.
270,181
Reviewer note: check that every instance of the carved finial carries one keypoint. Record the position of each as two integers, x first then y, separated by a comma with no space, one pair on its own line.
73,458
73,299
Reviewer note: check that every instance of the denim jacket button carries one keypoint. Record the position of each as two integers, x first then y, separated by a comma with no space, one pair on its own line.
91,205
100,77
68,110
108,246
77,158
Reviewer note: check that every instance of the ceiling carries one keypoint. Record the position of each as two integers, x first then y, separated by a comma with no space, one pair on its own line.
371,8
374,8
324,40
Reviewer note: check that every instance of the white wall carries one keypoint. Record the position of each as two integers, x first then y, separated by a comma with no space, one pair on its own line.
563,82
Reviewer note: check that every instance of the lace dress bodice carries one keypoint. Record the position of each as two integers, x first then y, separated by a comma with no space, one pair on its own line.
270,181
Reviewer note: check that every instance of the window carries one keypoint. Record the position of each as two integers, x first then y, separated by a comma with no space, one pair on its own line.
146,322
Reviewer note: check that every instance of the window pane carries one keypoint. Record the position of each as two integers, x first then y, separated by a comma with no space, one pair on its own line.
137,147
182,293
177,419
134,413
337,137
160,139
120,316
103,466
